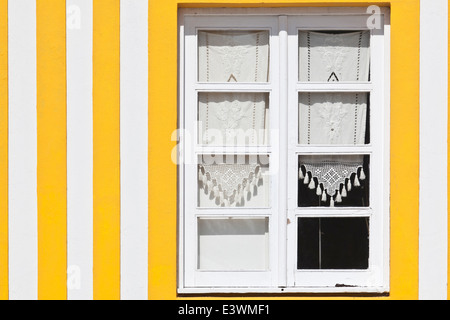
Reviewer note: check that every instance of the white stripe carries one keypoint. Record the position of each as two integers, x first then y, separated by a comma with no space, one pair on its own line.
22,150
79,150
133,148
433,150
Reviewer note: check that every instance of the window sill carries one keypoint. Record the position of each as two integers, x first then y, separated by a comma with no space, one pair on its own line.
338,290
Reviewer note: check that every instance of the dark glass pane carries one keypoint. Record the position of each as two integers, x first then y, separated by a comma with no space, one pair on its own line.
308,244
333,243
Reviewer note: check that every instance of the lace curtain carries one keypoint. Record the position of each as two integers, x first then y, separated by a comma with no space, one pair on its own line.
334,57
231,185
324,118
233,118
233,56
333,118
336,175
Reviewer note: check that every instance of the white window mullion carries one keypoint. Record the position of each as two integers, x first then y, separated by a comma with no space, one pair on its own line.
283,150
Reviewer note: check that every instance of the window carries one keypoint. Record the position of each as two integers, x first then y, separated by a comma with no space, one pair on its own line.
284,182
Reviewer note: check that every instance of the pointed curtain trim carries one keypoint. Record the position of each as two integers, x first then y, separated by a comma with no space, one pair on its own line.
230,184
334,177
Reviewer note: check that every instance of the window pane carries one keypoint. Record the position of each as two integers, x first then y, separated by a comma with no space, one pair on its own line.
233,181
334,56
333,243
235,119
333,181
233,244
233,56
334,118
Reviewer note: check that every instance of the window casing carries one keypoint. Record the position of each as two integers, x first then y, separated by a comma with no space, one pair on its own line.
281,238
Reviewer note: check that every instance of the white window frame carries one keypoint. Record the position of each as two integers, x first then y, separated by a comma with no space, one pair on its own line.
283,87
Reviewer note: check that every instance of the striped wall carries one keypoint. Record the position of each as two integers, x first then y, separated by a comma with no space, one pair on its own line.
73,149
74,157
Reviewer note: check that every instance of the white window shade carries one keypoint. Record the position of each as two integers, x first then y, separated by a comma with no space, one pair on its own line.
233,56
233,244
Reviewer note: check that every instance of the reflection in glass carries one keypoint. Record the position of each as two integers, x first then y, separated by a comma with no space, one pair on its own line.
233,244
233,181
236,119
334,56
334,118
233,56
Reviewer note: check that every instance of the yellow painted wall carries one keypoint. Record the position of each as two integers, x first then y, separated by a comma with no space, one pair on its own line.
163,83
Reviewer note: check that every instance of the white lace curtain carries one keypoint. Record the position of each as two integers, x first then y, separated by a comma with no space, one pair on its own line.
334,57
233,56
233,118
333,118
324,118
231,185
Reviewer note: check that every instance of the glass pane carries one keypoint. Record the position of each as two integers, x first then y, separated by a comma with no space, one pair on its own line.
233,56
334,56
333,243
233,244
334,118
233,181
233,119
333,181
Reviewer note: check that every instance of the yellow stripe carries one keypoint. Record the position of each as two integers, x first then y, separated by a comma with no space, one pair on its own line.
51,144
3,149
106,104
162,117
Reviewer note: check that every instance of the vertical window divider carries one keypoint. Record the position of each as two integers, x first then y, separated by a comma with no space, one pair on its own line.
283,152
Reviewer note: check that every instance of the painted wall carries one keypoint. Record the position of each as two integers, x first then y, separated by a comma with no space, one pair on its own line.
404,141
68,195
